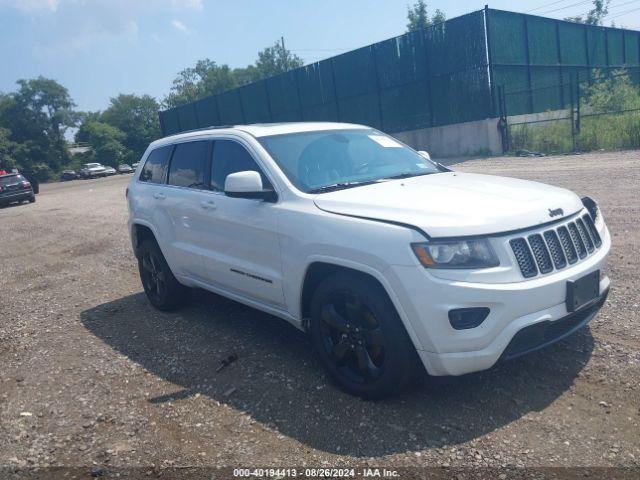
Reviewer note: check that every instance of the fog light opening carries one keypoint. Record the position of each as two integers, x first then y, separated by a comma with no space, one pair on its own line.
465,318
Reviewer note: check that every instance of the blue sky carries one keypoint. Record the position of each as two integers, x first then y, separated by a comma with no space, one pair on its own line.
99,48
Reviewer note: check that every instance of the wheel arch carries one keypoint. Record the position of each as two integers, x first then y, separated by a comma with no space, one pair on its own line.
318,270
141,232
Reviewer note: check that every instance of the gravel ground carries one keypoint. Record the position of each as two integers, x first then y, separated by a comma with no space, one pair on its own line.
92,375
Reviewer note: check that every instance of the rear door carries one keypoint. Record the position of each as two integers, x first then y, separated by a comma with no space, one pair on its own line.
150,193
242,252
188,203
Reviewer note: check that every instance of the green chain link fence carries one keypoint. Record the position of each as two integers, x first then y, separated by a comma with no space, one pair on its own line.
445,74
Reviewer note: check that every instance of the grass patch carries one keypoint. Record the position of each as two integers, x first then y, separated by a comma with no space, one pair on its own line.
608,125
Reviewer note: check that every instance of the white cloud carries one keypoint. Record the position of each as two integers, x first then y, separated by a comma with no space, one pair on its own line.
187,4
31,6
77,24
178,25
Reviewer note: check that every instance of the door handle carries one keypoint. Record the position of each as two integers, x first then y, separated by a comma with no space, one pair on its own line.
159,196
208,204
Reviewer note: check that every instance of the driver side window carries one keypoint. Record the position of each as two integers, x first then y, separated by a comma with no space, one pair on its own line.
231,157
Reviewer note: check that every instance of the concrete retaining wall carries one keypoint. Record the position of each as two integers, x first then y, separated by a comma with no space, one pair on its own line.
470,138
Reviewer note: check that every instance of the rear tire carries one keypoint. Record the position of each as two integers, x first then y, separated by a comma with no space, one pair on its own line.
162,289
32,199
360,338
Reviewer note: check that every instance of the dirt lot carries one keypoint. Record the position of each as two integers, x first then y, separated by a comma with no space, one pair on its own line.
90,374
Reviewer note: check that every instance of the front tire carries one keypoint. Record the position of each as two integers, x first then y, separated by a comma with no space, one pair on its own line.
360,338
162,289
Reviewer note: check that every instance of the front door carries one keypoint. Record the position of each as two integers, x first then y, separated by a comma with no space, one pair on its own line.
243,253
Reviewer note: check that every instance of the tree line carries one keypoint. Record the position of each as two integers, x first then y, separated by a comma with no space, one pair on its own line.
36,118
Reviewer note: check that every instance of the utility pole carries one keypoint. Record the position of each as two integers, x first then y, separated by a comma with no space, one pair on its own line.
284,52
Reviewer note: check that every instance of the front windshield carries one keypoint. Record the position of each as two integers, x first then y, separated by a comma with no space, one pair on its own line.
331,159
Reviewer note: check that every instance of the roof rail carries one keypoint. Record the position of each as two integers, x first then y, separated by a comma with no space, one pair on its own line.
212,127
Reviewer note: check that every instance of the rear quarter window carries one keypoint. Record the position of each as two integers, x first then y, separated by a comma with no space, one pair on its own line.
155,168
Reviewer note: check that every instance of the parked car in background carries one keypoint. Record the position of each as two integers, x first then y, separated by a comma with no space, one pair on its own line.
92,170
135,165
68,175
124,168
15,188
387,259
108,171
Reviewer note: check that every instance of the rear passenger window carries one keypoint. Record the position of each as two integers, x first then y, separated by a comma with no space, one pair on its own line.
189,165
155,168
231,157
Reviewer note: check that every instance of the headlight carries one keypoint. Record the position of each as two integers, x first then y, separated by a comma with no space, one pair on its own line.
456,254
592,206
594,212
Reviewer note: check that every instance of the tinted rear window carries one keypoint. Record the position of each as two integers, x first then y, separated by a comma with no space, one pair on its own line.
155,168
189,165
11,179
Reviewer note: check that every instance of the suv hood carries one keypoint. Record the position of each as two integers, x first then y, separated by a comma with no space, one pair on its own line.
454,204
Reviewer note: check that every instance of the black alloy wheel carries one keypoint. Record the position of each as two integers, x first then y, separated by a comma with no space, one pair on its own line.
360,338
162,289
352,337
153,278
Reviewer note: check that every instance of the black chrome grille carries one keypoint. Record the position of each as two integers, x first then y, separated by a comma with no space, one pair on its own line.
567,245
556,248
592,230
524,257
540,253
577,241
586,238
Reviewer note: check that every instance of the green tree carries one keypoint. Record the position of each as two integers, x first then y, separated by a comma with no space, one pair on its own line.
209,78
137,117
7,150
38,115
106,142
418,16
246,75
206,78
275,60
33,160
595,16
612,93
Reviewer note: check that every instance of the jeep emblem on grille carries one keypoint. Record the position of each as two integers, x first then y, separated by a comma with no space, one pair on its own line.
556,212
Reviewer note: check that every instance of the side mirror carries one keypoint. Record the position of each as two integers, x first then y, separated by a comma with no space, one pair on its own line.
247,185
424,154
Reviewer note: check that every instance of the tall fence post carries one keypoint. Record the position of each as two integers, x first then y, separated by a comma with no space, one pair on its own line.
560,70
335,88
572,118
378,88
578,105
425,39
487,36
503,123
528,60
244,118
266,91
295,76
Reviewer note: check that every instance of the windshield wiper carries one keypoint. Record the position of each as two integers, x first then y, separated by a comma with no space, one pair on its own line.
341,186
408,175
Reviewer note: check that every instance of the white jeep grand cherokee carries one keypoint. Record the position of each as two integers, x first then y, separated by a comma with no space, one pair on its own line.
382,255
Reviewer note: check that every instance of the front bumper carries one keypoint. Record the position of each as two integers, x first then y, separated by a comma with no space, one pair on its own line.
424,301
540,335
